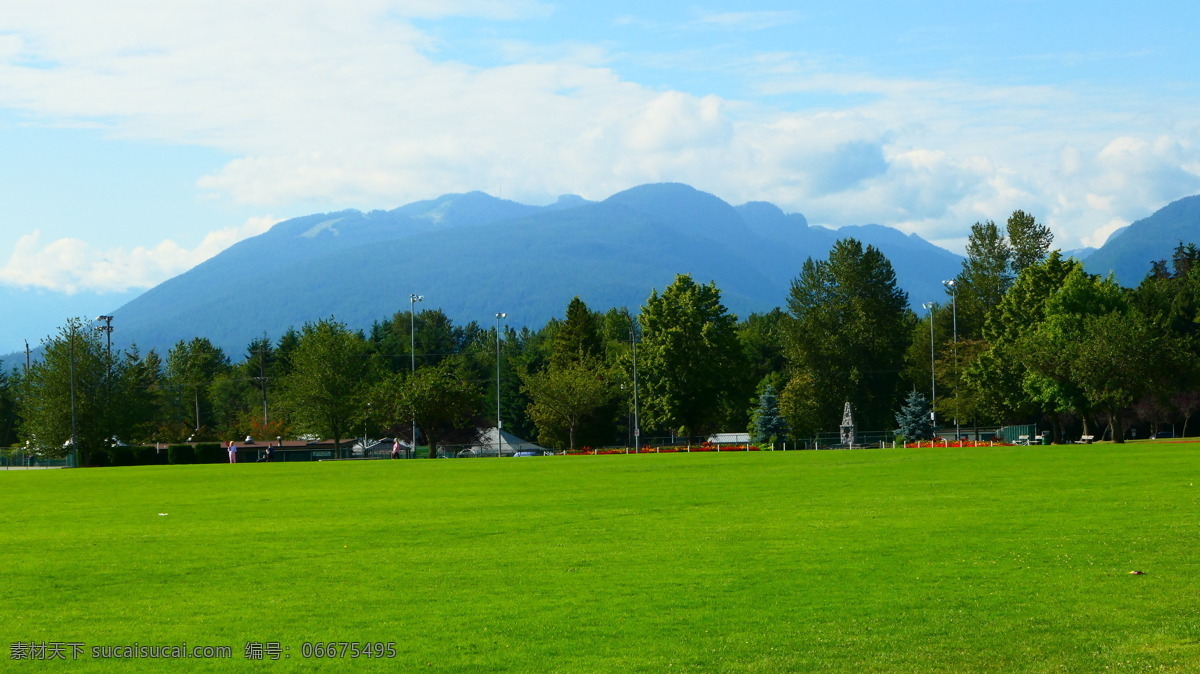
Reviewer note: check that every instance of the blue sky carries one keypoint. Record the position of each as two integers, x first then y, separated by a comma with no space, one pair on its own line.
138,139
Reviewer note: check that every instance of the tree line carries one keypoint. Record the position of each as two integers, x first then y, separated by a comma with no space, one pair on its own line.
1022,335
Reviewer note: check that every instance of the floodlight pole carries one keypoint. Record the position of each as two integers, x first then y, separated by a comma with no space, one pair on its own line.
74,437
107,329
953,286
932,375
412,334
637,430
499,423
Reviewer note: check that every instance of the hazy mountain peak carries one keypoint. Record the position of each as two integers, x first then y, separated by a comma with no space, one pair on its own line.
1129,252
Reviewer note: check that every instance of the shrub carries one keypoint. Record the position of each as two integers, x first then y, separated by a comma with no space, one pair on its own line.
147,456
95,457
179,454
211,452
120,456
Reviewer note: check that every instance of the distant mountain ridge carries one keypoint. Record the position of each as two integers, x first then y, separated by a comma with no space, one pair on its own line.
1130,251
473,255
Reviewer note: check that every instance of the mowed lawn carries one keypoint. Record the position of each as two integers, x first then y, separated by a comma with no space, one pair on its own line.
998,559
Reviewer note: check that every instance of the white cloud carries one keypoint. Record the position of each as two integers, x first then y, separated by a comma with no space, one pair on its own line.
352,104
760,20
71,265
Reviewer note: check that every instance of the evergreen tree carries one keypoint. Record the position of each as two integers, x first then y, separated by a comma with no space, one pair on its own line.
191,369
985,277
767,425
578,337
8,408
849,331
914,418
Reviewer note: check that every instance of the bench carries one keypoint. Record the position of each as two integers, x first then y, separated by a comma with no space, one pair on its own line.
1085,440
1022,439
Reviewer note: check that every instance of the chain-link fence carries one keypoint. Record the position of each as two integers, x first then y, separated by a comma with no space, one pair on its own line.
19,458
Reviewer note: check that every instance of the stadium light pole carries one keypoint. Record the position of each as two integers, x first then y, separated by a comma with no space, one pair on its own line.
107,329
74,426
932,376
953,287
499,424
637,430
412,351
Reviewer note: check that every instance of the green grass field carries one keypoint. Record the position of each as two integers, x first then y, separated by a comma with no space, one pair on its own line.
1002,559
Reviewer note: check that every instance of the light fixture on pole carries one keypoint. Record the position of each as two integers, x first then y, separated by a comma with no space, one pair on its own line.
74,424
499,423
637,430
932,376
953,287
107,329
412,335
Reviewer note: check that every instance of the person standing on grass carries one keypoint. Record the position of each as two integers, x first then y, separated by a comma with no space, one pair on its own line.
396,449
270,453
232,452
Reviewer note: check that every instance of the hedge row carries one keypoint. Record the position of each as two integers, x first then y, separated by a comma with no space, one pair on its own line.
211,452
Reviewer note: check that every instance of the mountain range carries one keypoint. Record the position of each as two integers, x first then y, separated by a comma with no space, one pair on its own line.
473,255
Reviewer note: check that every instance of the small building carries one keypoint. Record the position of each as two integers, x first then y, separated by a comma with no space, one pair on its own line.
729,439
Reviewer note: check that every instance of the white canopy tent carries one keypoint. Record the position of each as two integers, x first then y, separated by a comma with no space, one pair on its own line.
508,444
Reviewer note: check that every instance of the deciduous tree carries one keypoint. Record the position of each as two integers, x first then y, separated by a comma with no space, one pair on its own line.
565,396
440,401
332,369
689,352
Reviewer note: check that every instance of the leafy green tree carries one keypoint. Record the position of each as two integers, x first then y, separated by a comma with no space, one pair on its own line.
1169,299
332,370
799,404
849,331
998,376
565,396
914,418
767,424
1117,358
63,393
688,352
438,398
1051,352
1029,240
